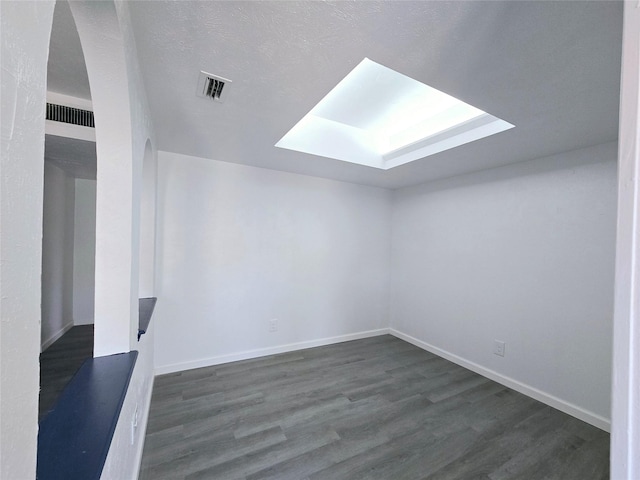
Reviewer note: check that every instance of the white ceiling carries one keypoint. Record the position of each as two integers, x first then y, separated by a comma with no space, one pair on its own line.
77,158
66,72
550,68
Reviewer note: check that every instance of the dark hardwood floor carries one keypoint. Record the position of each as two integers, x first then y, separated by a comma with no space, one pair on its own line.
60,362
377,408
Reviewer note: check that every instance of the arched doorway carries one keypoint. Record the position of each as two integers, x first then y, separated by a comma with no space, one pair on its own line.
69,213
26,28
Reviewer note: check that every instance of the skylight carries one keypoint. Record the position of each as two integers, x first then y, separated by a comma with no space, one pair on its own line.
381,118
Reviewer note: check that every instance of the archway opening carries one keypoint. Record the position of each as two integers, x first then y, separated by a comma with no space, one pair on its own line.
69,213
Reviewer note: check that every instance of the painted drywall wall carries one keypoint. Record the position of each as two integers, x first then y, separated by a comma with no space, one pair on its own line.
148,224
239,246
115,293
625,421
143,141
123,128
84,251
523,254
57,254
125,452
24,45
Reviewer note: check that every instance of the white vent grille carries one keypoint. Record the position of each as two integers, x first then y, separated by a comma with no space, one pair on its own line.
211,86
74,116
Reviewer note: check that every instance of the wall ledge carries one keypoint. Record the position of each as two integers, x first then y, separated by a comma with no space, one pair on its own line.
74,438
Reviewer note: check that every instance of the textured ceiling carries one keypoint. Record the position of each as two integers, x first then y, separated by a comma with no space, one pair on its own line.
66,72
550,68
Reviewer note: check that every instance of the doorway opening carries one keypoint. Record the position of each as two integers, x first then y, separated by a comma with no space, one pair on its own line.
69,214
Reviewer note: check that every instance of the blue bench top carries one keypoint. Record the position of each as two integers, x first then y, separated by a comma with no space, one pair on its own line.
74,438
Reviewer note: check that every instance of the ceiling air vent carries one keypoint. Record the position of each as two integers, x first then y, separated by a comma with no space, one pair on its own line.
74,116
211,86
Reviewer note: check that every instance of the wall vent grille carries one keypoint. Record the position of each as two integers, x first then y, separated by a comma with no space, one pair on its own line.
211,86
74,116
214,88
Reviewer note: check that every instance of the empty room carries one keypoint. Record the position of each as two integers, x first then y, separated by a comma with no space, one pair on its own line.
314,240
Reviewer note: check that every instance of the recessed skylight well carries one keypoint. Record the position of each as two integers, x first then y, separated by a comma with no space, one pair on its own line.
381,118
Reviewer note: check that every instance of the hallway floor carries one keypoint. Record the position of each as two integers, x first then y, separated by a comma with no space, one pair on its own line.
60,362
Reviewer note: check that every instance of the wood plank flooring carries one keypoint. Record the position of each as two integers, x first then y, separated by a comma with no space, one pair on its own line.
60,362
377,408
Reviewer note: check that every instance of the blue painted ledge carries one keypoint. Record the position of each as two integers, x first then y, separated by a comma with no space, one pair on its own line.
145,310
75,436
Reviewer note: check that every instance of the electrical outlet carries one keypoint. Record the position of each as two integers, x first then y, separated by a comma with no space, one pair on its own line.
273,325
498,348
134,425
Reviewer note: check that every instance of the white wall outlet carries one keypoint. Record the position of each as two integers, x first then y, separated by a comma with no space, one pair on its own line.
134,425
273,325
498,348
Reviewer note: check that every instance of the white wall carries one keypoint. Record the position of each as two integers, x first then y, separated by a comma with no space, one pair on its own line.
68,255
116,287
523,254
625,431
84,252
123,127
24,44
239,245
57,254
148,224
123,459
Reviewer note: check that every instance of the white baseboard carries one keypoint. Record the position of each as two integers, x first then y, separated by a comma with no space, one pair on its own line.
84,321
555,402
262,352
49,341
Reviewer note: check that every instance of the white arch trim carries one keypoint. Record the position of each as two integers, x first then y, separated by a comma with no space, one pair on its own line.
148,222
116,287
625,417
